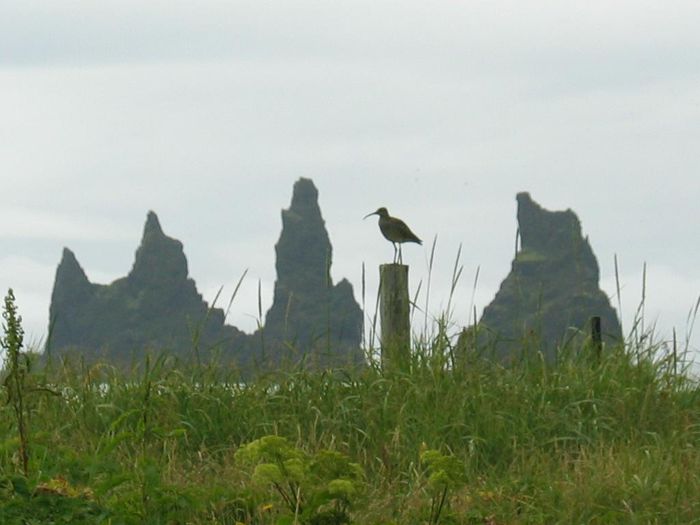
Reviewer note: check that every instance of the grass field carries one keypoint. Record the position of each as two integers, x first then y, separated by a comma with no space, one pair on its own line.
614,441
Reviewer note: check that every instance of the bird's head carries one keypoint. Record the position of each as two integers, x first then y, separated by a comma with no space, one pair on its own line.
382,212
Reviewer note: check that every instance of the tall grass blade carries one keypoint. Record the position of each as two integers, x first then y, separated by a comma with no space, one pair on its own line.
235,293
619,297
456,274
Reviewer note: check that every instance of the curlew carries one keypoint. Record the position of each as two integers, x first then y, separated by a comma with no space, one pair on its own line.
394,230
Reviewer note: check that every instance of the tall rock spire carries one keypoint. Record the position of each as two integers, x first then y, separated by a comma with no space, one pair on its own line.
71,291
160,260
552,290
308,312
71,281
303,250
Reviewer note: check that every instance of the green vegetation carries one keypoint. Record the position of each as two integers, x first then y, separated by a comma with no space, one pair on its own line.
614,441
17,369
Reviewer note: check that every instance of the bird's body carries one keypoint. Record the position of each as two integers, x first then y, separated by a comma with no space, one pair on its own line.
394,230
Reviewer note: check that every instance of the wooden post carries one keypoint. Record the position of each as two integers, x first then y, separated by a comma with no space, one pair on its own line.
596,336
394,310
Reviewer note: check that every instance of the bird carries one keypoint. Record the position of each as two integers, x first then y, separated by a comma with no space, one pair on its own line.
394,230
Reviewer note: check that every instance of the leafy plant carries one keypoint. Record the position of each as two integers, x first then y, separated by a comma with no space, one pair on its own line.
445,473
315,489
53,502
17,366
538,442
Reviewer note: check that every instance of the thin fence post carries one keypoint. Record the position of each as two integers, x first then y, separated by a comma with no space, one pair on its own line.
596,336
394,310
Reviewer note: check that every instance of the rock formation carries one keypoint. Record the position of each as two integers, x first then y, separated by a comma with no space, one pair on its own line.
308,312
155,307
552,290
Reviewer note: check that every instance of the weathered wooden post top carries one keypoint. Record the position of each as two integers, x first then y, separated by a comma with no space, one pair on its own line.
394,306
394,310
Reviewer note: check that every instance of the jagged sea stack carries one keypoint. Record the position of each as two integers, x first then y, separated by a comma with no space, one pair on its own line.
310,316
552,290
73,295
156,307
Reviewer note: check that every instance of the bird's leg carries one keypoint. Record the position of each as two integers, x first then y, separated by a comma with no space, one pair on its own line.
400,256
394,244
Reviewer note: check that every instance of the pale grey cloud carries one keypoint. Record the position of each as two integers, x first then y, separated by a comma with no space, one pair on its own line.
25,223
207,112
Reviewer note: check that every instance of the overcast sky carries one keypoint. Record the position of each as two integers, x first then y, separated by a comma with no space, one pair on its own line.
207,112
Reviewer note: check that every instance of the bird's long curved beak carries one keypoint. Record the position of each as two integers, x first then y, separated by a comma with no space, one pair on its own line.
369,215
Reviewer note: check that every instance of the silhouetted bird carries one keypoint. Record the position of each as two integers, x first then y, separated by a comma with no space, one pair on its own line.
395,230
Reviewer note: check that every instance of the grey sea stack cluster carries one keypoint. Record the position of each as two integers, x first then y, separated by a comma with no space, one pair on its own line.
157,306
545,302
